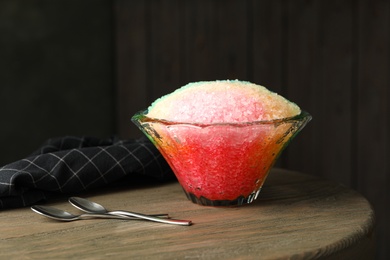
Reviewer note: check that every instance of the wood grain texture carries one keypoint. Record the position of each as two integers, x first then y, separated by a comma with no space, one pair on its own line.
165,44
373,110
297,216
131,63
210,51
302,79
336,77
267,49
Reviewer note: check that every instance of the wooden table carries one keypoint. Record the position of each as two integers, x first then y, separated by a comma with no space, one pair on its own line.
297,216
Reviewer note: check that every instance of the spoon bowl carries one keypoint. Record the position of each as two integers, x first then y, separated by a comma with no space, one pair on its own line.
87,205
93,207
61,215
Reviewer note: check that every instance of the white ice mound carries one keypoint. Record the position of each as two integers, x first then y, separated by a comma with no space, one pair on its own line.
227,101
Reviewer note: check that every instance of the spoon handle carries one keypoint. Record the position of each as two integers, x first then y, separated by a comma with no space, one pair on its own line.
151,218
131,217
102,215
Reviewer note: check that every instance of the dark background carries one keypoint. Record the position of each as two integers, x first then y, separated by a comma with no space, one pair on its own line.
71,67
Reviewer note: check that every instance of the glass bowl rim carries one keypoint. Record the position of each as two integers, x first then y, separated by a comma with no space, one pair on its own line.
142,117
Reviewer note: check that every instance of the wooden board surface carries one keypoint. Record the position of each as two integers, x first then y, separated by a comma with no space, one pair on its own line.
296,216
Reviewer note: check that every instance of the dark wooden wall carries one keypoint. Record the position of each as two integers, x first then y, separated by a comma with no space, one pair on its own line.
56,73
331,57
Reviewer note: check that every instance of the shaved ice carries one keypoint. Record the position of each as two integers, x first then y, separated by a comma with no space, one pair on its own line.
221,138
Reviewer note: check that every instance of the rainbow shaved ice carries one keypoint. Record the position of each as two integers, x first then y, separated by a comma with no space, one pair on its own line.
222,101
221,138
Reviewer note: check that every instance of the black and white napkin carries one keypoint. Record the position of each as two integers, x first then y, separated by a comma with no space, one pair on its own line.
71,164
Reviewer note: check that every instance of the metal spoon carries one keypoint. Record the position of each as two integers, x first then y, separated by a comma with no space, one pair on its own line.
93,207
62,215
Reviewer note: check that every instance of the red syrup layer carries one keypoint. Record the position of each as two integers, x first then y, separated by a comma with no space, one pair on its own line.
221,162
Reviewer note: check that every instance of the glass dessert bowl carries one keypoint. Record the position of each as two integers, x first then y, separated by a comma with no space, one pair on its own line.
221,164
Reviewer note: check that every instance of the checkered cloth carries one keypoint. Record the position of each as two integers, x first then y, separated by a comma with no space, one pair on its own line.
69,165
